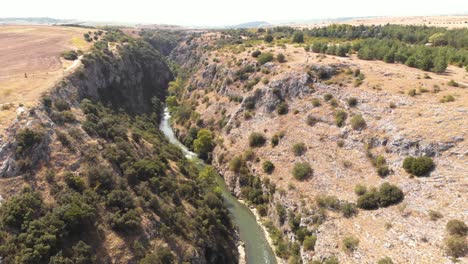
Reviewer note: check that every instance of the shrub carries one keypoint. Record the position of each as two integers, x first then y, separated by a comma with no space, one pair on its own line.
352,101
434,215
369,200
383,171
275,140
70,55
256,139
358,122
47,102
256,53
447,98
348,209
456,227
281,58
268,166
315,102
268,38
327,97
327,201
340,118
282,108
75,182
161,255
419,166
360,189
298,37
453,83
302,171
299,149
27,138
264,58
412,92
262,209
456,246
389,195
311,120
309,242
350,243
61,105
385,260
21,209
64,139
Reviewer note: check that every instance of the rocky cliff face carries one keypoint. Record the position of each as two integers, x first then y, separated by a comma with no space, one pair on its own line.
63,138
231,94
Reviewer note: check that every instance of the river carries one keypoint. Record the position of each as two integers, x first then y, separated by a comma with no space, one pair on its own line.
257,249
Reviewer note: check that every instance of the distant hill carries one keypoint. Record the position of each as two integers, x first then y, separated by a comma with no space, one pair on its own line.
253,24
34,20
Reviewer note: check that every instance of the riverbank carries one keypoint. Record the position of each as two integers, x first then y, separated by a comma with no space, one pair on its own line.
264,229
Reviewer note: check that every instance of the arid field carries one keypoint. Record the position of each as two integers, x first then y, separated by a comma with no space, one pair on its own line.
31,63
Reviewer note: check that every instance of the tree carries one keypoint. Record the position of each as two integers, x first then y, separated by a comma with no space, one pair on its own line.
203,144
302,170
298,37
440,64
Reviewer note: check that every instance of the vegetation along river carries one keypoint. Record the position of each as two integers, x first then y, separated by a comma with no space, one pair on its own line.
257,249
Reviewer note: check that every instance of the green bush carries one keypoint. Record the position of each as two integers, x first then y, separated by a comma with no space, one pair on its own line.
340,118
298,37
268,166
27,138
203,144
360,189
264,58
256,139
299,149
456,227
456,246
327,97
419,166
315,102
302,170
385,260
256,53
369,200
350,243
268,38
281,58
20,210
352,101
282,108
70,55
311,120
61,105
389,195
75,182
358,122
309,242
348,209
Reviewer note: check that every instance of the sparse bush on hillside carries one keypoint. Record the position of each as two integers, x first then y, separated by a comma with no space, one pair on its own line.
385,260
264,58
315,102
352,101
327,97
348,209
27,138
268,166
453,83
387,195
350,243
298,37
456,246
268,38
456,227
302,171
311,120
340,118
61,105
419,166
256,53
309,242
203,144
70,55
299,149
281,58
256,139
282,108
360,189
358,122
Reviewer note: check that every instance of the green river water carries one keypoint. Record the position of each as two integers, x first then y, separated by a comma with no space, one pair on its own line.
257,249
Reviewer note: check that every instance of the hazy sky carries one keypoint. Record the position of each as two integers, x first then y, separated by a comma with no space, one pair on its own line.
221,12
